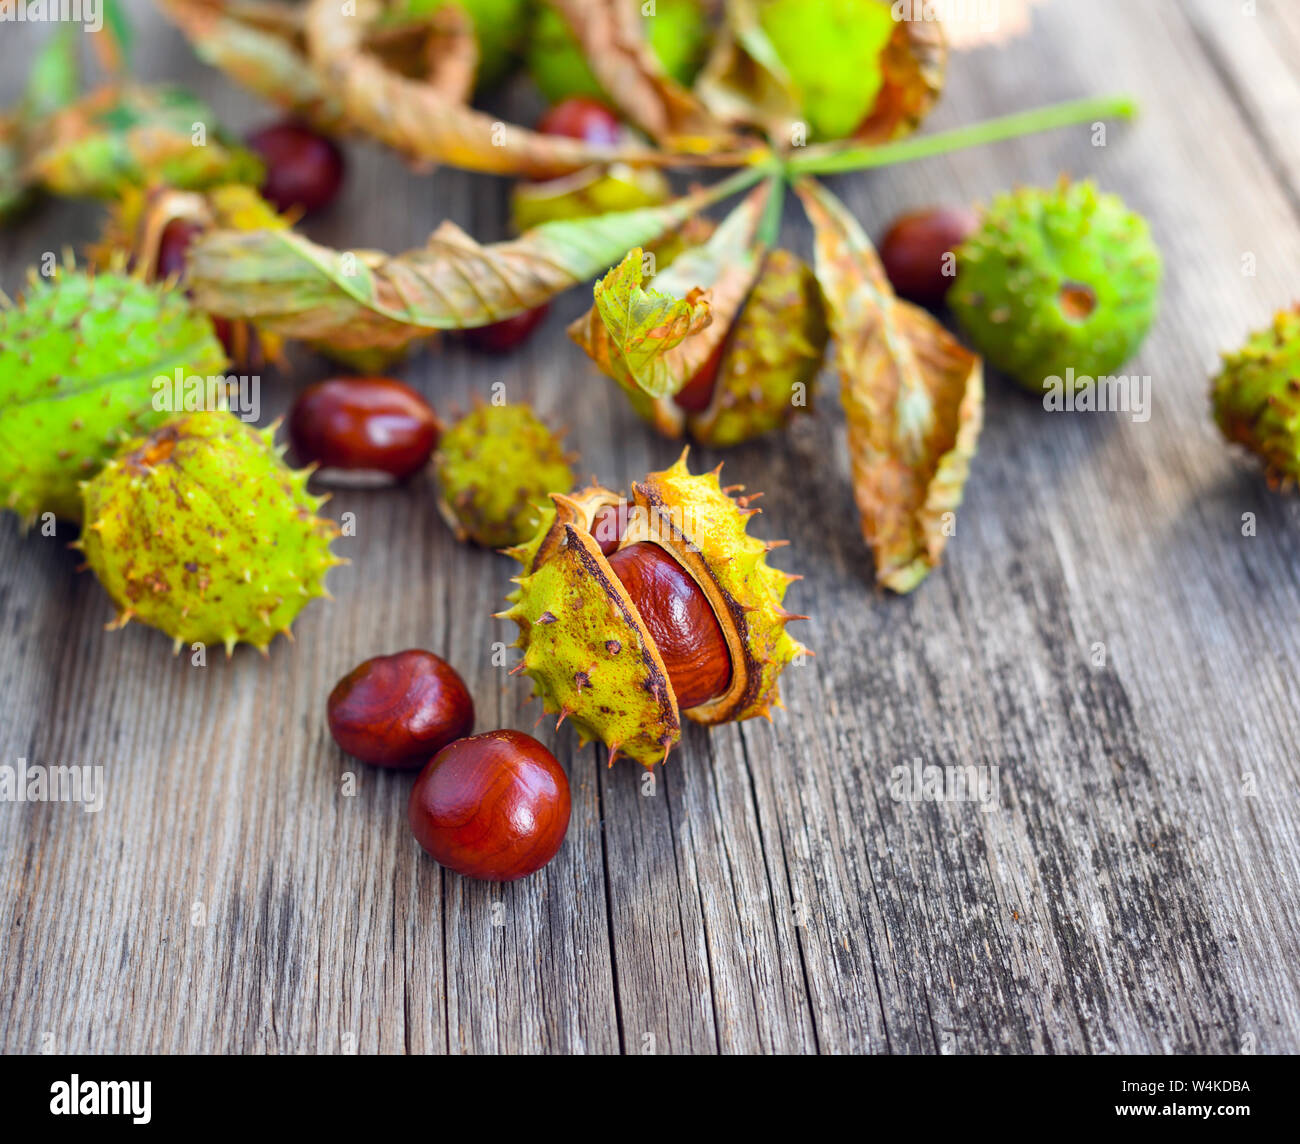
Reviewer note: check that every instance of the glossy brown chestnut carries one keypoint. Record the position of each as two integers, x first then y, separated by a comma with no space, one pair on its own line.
581,117
609,524
697,394
508,334
493,806
680,621
374,424
400,710
173,245
914,248
304,169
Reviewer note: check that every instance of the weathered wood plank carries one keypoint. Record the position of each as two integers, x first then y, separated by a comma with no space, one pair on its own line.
1134,886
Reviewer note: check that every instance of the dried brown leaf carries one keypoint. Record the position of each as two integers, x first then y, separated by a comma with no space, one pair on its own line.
913,398
612,38
367,300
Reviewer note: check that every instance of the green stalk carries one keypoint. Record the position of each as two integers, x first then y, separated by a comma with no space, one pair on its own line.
833,159
741,180
769,227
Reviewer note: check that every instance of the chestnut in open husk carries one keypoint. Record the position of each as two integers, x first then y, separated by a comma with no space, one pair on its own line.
683,616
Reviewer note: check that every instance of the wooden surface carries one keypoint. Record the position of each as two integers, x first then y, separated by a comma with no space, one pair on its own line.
1102,632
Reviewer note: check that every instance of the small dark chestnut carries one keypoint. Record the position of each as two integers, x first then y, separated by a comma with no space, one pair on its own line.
493,806
608,525
304,169
399,710
370,424
697,394
680,620
914,248
581,117
506,335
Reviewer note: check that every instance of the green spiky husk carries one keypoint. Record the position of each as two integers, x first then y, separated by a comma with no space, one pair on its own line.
585,645
78,360
1256,397
496,467
831,51
1016,294
202,531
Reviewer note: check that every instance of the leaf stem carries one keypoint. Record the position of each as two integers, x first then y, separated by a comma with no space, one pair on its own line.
741,180
769,227
834,159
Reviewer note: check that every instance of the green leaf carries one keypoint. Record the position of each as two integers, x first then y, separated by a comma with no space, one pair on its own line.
644,325
646,357
370,300
122,137
120,36
55,78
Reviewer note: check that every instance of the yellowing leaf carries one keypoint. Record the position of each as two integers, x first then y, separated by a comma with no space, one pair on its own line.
364,300
611,35
660,364
913,398
644,326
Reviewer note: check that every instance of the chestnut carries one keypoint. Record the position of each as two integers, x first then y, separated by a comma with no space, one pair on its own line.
581,117
304,169
697,394
506,335
399,710
173,246
914,247
608,525
493,806
370,424
680,620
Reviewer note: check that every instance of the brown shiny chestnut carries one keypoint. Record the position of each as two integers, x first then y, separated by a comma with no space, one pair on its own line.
304,169
580,117
609,524
914,248
506,335
493,806
697,394
400,710
680,621
372,424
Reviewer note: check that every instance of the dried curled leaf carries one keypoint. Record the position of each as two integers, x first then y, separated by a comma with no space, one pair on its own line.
123,137
419,121
913,397
647,360
451,53
261,48
645,325
912,69
612,37
364,300
745,80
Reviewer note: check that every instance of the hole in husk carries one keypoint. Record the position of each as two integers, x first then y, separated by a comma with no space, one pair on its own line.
1077,301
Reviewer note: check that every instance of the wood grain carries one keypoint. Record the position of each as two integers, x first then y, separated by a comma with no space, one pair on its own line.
1102,632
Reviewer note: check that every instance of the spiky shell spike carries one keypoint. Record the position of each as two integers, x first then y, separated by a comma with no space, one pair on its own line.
1256,397
1057,279
202,531
495,467
586,647
705,528
79,355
